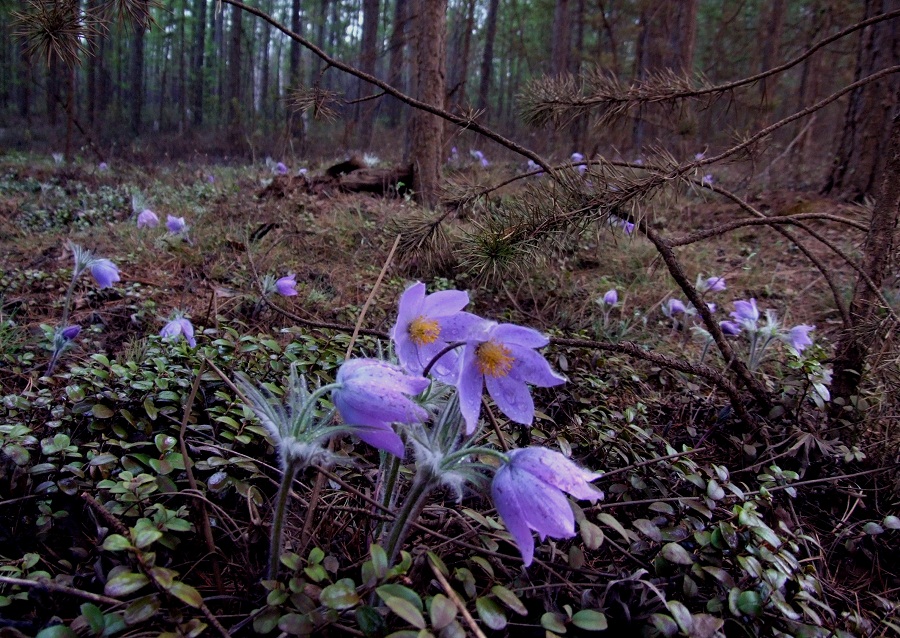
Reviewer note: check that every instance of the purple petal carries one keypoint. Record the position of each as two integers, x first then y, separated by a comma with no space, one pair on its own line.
464,326
555,469
545,508
470,386
409,308
611,298
510,333
104,272
187,329
512,397
503,493
444,302
532,367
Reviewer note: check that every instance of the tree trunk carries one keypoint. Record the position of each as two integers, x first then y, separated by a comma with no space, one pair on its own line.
861,151
427,129
854,344
365,111
52,89
487,60
397,59
234,78
136,85
199,59
24,81
459,58
771,24
562,38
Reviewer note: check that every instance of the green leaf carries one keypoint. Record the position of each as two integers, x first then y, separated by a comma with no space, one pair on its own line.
509,599
648,529
490,613
94,617
591,534
406,610
296,624
609,521
664,624
891,522
873,529
316,555
681,615
142,609
186,594
442,611
749,603
340,595
103,459
370,621
590,620
675,553
116,543
554,622
124,583
57,631
101,411
379,560
146,537
400,591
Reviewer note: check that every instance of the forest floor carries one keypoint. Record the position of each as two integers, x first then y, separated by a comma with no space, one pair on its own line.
711,541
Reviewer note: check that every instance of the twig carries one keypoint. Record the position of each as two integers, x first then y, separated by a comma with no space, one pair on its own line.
792,220
658,459
61,589
203,515
452,595
790,146
372,293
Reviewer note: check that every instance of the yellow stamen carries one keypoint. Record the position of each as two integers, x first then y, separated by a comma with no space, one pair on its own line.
423,331
493,359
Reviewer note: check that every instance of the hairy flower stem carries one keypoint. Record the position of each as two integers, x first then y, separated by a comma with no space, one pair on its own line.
421,487
389,485
440,354
284,493
67,302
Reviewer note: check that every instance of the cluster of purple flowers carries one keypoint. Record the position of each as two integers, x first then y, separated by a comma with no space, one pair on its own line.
478,155
434,337
746,316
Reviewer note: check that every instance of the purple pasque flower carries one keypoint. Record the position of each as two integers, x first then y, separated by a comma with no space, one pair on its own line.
280,169
627,226
711,307
503,358
210,179
422,320
707,180
70,333
674,307
175,225
611,298
798,337
714,284
746,312
287,285
104,272
730,328
699,156
374,394
528,494
103,166
147,219
178,327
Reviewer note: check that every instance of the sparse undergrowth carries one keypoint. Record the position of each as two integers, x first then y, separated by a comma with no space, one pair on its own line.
138,488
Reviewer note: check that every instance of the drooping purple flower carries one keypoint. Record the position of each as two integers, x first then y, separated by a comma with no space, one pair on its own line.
175,225
374,394
675,307
280,169
707,180
715,284
422,321
528,494
730,328
699,156
179,327
627,226
103,166
287,285
210,179
503,358
711,307
147,219
70,333
104,272
576,158
611,298
798,337
745,311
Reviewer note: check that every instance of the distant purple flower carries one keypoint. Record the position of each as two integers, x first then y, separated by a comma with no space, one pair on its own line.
576,158
707,180
280,169
627,226
484,162
302,171
103,166
211,179
745,311
104,272
147,219
179,327
287,286
712,307
503,358
70,333
798,337
675,307
175,224
715,284
528,494
375,394
699,156
419,334
639,161
730,328
477,155
611,298
454,151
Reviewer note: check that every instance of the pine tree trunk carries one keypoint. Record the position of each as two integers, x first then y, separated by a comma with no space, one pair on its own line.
234,78
136,75
199,60
487,60
562,38
365,111
427,129
397,59
854,344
